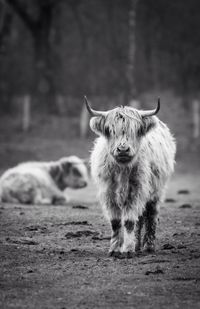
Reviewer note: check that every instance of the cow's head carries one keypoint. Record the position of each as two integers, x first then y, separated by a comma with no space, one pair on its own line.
124,128
70,172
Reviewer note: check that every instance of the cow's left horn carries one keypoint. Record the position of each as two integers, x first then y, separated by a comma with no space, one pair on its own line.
91,111
151,112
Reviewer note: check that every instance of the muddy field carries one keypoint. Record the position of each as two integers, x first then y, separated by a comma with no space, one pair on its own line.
57,256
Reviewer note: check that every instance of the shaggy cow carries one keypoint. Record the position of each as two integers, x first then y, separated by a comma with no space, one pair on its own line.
131,163
42,182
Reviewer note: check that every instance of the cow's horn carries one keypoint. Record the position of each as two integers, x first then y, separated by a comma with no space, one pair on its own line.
151,112
91,111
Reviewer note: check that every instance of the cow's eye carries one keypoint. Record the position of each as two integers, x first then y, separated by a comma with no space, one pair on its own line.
76,172
141,131
107,132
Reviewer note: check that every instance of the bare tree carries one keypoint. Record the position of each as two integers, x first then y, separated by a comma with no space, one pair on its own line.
5,30
114,43
37,18
131,74
116,47
5,23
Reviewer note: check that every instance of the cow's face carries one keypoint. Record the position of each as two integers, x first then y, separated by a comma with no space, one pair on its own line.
75,174
123,129
70,172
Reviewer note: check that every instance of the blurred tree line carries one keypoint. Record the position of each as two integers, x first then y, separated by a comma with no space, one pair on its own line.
52,49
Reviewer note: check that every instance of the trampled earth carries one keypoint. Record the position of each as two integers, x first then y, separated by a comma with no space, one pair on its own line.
57,256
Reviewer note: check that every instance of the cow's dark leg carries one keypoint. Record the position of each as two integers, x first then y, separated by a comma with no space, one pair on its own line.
116,237
59,200
150,219
138,231
130,213
114,213
116,230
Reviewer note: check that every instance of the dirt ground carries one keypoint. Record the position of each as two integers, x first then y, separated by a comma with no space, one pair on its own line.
57,256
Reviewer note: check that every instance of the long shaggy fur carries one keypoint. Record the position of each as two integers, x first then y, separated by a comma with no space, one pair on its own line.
126,189
42,182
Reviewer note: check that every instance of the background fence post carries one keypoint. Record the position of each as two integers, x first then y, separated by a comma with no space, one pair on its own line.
26,114
195,116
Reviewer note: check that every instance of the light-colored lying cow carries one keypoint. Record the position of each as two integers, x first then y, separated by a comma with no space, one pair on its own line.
42,182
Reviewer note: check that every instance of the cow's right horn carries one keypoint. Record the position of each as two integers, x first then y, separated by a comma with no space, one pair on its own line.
151,112
91,111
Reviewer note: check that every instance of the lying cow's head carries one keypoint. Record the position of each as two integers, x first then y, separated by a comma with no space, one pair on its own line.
70,172
124,128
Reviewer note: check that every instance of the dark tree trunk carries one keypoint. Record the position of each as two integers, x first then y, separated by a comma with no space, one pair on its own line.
5,30
44,87
132,91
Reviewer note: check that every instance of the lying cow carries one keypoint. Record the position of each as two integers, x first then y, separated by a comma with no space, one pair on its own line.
42,182
131,163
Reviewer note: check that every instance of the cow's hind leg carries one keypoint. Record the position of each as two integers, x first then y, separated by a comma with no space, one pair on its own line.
150,220
138,230
40,199
10,199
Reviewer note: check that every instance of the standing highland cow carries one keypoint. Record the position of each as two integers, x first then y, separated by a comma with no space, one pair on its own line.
131,163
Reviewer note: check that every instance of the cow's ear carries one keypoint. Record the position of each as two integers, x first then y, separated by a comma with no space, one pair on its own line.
56,171
148,124
97,124
66,167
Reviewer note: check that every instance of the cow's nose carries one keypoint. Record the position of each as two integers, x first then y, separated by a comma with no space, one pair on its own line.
84,184
123,150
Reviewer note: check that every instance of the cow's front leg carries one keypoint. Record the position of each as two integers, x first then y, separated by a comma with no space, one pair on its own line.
114,214
116,236
128,247
40,200
116,240
60,199
150,219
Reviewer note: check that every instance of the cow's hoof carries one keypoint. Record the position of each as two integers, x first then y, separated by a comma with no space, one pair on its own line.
115,254
59,200
127,255
149,247
138,248
130,254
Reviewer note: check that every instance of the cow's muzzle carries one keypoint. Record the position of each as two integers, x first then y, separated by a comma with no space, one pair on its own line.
123,159
123,154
